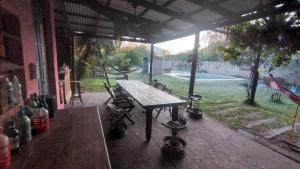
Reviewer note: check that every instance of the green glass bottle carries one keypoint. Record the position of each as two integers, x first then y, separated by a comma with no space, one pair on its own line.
24,126
13,136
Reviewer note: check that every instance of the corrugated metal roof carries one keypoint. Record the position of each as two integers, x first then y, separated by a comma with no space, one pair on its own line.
180,24
125,6
212,16
156,16
182,6
178,17
243,5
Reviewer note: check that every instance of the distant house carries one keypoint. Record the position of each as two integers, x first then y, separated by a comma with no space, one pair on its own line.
157,62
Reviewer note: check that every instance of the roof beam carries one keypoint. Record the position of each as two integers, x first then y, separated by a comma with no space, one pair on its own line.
83,24
112,37
165,11
81,15
117,15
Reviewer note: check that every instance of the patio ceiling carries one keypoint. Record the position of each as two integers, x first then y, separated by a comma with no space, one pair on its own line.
153,21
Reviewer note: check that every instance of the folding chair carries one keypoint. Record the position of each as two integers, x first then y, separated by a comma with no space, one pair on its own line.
167,90
120,95
125,104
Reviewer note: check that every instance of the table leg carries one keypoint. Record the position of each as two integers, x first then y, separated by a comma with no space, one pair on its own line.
174,113
148,124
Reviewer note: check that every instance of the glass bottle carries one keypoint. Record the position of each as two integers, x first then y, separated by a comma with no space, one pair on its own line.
13,136
10,97
43,102
17,90
24,126
4,151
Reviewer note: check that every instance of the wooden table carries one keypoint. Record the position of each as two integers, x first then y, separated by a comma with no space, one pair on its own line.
150,98
75,140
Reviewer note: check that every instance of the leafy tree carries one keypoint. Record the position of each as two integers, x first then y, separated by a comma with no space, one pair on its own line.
185,56
126,57
211,52
253,42
91,50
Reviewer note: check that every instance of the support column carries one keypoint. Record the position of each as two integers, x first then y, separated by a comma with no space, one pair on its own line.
194,64
72,57
52,51
151,62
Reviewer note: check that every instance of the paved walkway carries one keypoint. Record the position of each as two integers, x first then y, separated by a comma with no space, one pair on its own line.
209,145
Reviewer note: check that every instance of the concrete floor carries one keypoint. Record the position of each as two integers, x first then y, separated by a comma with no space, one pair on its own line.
209,145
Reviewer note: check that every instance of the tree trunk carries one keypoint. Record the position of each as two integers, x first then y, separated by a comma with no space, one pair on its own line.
252,86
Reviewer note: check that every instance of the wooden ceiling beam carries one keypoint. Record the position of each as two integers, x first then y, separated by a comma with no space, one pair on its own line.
112,37
83,16
83,24
105,35
165,11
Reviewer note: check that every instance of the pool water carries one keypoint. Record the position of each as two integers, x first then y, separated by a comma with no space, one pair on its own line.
203,76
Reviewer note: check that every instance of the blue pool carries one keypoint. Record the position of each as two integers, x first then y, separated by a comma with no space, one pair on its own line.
203,76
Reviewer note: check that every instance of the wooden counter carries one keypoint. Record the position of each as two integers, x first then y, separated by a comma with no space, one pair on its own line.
65,79
75,140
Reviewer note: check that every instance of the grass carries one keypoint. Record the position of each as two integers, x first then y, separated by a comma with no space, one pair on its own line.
223,101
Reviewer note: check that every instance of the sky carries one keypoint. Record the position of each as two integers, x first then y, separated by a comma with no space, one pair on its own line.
182,44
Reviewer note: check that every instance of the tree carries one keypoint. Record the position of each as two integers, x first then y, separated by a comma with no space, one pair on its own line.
211,52
91,50
126,57
253,42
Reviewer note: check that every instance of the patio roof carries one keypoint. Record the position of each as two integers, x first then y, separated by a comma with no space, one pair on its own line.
154,21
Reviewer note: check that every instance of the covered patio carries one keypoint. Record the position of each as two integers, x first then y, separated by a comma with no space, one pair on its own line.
78,136
209,144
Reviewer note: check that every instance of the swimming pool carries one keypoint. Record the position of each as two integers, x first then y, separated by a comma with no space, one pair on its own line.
203,76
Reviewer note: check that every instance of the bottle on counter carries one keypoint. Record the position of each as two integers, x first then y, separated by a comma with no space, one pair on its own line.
10,97
17,90
13,136
4,151
43,103
28,109
40,118
24,126
35,103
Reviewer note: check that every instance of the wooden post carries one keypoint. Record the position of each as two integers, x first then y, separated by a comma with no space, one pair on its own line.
72,45
293,125
151,62
194,64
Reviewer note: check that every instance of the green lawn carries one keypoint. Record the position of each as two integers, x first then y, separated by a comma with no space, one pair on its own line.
223,101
